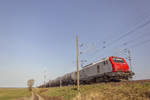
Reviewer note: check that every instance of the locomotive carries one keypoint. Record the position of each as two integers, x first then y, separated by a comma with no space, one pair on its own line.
108,69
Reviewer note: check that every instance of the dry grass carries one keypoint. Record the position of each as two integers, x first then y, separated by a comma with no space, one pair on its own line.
103,91
132,91
13,93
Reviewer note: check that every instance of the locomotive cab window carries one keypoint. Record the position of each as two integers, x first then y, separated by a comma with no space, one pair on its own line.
98,68
118,60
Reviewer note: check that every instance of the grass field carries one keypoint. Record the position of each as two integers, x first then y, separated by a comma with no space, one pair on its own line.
13,93
103,91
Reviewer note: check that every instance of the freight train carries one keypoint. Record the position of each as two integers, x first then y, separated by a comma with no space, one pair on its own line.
108,69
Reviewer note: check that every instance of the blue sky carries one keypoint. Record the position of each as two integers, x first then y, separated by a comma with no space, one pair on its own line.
38,35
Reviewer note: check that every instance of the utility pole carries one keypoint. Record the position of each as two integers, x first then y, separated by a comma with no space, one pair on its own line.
78,82
44,81
74,74
44,78
49,83
129,57
60,82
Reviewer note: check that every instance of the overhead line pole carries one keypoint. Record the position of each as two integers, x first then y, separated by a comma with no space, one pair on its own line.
129,57
44,78
78,82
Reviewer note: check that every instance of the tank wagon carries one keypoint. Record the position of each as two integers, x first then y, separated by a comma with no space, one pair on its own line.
108,69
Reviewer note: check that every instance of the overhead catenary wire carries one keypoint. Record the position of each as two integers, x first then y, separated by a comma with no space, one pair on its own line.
112,36
131,46
140,43
134,44
127,43
133,40
127,33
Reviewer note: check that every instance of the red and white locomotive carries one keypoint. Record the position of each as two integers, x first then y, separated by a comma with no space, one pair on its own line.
108,69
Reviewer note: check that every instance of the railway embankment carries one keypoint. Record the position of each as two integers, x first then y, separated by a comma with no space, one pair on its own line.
134,90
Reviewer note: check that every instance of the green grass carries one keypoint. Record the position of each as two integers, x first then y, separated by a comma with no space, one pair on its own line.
66,92
13,93
102,91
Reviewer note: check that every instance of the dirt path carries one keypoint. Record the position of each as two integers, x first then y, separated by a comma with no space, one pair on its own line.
34,96
38,97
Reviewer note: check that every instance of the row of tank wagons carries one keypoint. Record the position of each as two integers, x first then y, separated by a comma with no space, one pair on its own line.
70,78
64,80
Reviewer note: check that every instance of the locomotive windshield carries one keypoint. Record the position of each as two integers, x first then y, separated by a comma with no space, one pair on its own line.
118,60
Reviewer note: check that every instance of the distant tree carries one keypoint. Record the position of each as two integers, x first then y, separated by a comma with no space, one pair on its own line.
30,84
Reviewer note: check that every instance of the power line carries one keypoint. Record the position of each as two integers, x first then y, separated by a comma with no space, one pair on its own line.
134,40
123,36
144,18
127,43
140,43
128,33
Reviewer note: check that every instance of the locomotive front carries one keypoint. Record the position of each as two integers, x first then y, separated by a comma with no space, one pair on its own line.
119,64
120,68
